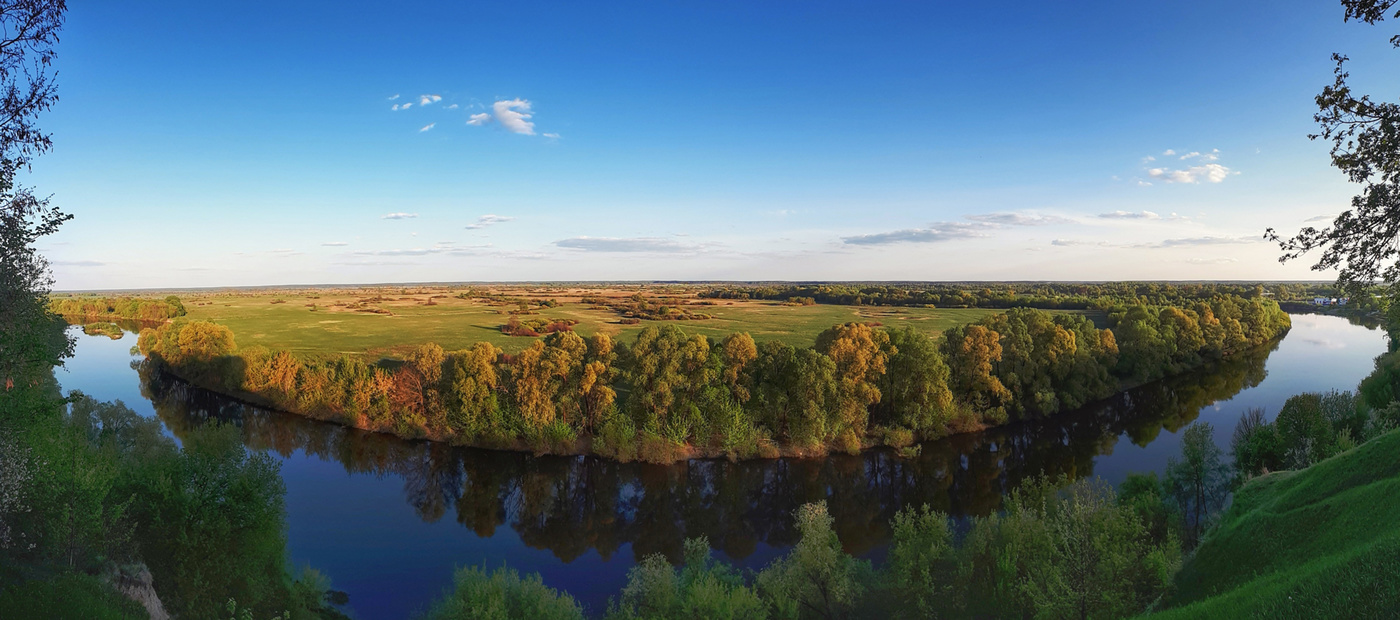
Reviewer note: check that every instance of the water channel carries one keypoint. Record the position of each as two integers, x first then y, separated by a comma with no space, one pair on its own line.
389,519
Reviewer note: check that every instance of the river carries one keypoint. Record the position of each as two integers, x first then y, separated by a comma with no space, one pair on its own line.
387,519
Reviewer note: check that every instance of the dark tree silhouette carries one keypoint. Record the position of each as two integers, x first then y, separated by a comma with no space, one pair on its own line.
1364,241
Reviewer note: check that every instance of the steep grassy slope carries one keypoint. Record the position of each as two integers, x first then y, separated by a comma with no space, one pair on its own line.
1323,542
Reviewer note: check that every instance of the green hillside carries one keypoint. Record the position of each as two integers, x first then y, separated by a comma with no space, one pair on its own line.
1323,542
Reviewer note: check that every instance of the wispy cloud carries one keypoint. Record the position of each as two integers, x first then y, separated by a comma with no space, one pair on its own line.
479,119
1210,173
77,263
335,244
514,115
1200,241
1130,215
1076,242
399,216
427,127
452,107
1320,218
615,244
551,136
939,231
396,96
1019,219
428,99
401,106
1212,261
488,220
1168,152
1213,155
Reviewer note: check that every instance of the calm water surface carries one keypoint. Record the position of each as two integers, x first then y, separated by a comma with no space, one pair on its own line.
388,519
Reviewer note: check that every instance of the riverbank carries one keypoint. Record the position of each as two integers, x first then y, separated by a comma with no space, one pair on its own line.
670,396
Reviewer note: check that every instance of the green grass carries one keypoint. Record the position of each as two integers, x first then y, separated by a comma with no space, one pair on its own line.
456,323
1323,542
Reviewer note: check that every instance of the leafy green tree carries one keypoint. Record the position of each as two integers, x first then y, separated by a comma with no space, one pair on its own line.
502,595
1255,446
816,579
914,391
701,588
469,383
1304,431
923,563
1199,482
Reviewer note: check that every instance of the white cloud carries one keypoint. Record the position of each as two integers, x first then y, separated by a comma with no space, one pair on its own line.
335,244
487,220
77,263
1200,241
1130,215
1148,158
1210,173
1212,261
514,115
939,231
427,127
614,244
1169,152
428,99
1018,219
402,106
398,216
1320,218
1213,155
1076,242
553,136
452,107
396,96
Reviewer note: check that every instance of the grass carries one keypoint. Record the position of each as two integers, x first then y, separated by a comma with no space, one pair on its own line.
1323,542
285,319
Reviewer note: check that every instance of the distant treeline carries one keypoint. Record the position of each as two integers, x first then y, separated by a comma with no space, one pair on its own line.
1045,295
669,395
134,308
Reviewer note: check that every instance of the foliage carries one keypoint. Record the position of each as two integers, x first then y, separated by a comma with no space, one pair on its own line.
816,579
1198,483
1365,137
132,308
701,588
501,595
1321,542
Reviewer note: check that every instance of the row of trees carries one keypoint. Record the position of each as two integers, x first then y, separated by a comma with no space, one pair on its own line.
1044,295
1078,551
670,395
132,308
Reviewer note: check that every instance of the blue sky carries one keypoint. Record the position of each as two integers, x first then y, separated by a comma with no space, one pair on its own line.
258,143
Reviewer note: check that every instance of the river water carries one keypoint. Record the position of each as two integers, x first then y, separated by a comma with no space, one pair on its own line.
387,520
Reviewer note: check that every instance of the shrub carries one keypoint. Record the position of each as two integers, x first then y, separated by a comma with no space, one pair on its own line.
502,595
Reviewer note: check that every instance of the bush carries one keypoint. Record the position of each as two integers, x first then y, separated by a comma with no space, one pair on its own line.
502,595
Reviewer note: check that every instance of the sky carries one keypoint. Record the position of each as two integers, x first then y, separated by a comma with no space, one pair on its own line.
260,143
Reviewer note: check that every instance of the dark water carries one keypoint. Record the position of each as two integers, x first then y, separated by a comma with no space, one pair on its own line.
388,519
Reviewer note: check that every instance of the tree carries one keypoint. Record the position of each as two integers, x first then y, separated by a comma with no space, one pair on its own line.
1365,135
737,352
914,391
31,339
1199,481
502,595
702,588
816,579
860,352
971,351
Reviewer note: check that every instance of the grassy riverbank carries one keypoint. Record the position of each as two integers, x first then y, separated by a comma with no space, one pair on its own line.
1320,542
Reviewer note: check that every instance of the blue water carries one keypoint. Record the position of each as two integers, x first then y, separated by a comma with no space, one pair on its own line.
388,519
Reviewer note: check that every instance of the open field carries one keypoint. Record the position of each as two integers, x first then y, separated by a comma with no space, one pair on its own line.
387,321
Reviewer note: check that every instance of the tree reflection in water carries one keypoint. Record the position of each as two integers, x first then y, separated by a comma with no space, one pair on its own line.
570,505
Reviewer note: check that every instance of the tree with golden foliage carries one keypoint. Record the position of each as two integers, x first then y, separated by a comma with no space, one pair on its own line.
737,351
971,351
859,352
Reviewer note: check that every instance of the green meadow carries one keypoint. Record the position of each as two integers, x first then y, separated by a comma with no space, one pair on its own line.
389,323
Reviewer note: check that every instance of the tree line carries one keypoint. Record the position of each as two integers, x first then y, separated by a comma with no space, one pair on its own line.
669,395
131,308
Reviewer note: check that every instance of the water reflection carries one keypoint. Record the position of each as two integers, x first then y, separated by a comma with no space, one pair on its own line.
571,505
